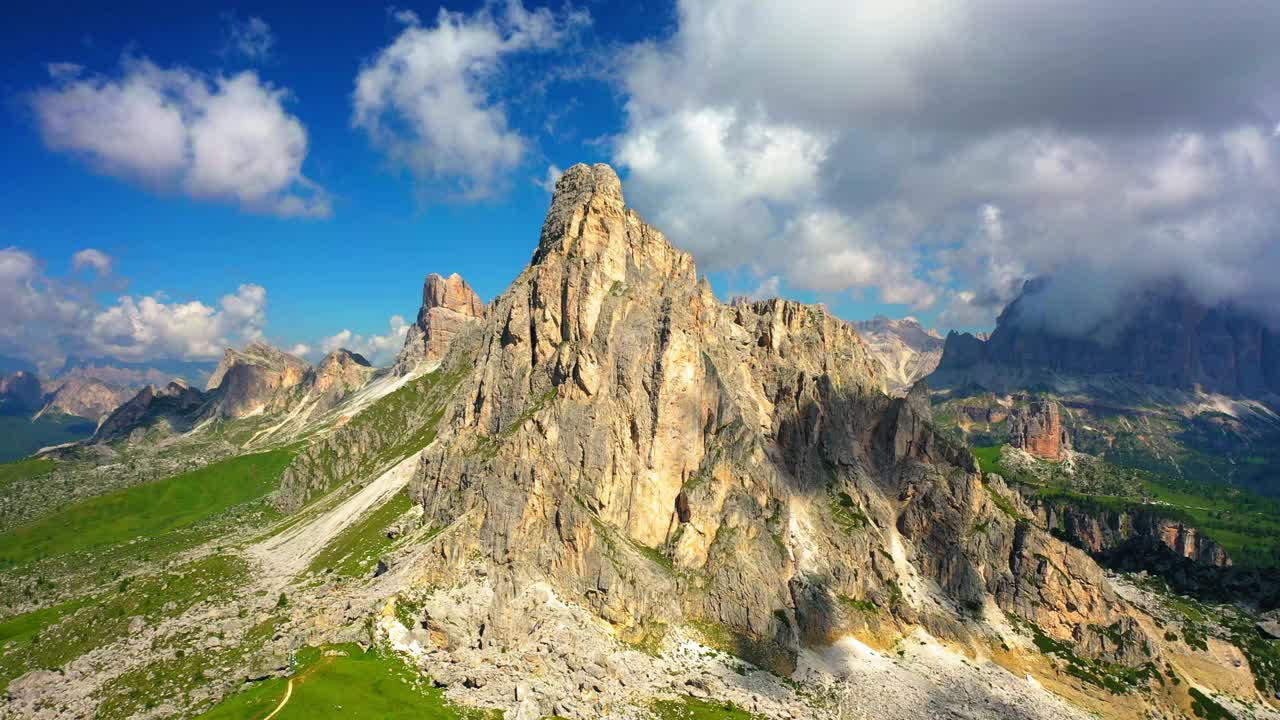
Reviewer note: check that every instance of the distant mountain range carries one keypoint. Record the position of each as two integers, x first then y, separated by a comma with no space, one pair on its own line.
1166,339
906,349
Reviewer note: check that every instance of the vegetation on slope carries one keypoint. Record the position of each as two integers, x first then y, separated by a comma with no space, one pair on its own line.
355,550
50,637
24,470
346,682
691,708
387,431
145,510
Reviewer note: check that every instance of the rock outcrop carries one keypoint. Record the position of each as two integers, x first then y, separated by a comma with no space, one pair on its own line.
1164,338
447,305
255,379
907,350
173,407
85,397
1038,429
20,393
658,456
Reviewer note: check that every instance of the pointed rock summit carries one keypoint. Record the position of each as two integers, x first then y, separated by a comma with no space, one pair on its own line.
659,456
447,305
338,374
1039,430
253,379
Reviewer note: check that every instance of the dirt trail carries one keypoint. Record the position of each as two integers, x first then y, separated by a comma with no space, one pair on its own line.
287,692
288,553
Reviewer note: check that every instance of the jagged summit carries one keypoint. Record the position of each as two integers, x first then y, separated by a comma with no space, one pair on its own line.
447,305
610,410
907,350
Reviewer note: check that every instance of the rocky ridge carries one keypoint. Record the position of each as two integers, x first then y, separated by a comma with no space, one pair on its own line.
1164,338
447,305
907,350
660,457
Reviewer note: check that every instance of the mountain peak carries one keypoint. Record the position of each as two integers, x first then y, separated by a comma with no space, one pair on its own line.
581,186
448,303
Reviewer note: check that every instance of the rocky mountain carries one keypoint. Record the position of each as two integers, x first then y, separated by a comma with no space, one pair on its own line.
662,458
20,393
906,349
1164,338
447,305
175,405
258,381
606,494
1039,430
335,377
83,396
254,379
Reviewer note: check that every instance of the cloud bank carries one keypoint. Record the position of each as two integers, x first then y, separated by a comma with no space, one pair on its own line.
380,350
217,138
938,153
45,319
428,99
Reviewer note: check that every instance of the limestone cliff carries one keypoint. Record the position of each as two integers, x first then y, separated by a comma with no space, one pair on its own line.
906,349
1039,430
1100,530
255,379
84,397
661,456
447,305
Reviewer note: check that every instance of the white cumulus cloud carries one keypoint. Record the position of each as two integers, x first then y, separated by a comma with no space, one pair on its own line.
45,318
941,152
380,350
427,99
148,327
221,138
95,260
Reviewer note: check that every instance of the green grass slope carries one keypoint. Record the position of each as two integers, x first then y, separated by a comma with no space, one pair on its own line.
24,469
354,684
145,510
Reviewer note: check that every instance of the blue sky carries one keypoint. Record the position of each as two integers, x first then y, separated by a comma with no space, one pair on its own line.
829,154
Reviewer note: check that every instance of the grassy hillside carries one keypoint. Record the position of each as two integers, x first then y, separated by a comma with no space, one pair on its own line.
23,469
21,436
145,510
1245,523
353,684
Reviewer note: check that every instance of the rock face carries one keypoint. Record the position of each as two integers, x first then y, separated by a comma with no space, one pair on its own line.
175,405
255,379
1039,430
1165,338
447,305
906,349
657,455
20,393
85,397
1099,531
339,374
